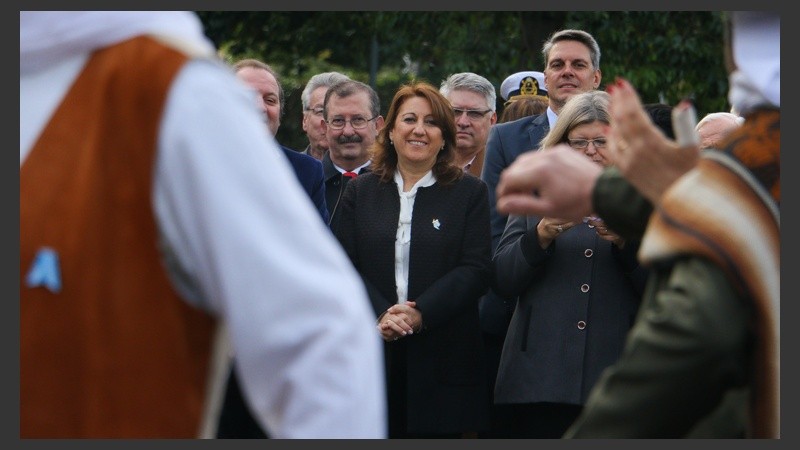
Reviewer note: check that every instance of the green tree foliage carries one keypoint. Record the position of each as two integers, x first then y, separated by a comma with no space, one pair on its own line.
666,55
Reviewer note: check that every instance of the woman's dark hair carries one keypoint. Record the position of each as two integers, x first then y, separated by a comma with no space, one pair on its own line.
383,153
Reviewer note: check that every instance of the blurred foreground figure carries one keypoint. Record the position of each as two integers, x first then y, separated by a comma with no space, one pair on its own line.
138,151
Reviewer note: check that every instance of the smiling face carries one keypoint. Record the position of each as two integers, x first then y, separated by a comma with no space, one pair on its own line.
268,92
415,134
349,147
569,72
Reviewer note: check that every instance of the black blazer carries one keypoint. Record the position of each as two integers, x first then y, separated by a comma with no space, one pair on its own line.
449,270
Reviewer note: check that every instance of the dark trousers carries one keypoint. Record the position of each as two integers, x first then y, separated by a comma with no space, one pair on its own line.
235,420
540,420
499,415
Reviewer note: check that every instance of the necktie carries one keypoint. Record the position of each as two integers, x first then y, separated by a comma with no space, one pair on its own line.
350,174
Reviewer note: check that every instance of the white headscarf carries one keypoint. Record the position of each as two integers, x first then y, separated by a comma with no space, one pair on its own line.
756,42
49,37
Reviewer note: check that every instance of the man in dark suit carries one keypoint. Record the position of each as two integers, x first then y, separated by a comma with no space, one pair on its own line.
352,113
264,80
572,66
235,420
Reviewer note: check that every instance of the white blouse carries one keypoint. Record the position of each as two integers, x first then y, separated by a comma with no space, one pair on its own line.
402,243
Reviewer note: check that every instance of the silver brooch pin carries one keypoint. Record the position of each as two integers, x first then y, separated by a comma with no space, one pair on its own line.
436,223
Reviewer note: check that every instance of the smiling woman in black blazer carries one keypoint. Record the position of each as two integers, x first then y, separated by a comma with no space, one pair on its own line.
417,230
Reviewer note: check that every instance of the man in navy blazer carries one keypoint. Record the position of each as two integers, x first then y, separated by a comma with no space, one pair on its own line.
572,66
264,81
310,175
507,141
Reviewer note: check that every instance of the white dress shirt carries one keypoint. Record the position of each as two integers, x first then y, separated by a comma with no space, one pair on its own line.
402,241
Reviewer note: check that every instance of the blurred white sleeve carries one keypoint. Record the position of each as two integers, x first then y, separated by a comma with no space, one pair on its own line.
250,247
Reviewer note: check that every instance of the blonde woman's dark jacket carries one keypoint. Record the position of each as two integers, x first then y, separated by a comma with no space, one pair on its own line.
577,300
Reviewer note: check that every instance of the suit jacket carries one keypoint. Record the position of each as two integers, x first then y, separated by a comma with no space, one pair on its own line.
506,141
577,300
449,271
335,183
309,172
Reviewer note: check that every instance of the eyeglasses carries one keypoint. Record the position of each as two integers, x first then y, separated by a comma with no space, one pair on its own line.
472,114
356,122
583,143
316,111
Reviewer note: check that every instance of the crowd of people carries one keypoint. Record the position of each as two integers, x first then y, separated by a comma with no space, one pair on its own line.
568,267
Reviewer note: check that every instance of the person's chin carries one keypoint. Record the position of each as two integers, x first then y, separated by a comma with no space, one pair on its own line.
351,150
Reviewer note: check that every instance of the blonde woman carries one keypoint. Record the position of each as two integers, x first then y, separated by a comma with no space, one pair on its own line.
579,288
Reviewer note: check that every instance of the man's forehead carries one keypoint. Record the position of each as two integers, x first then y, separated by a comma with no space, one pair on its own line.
569,50
467,99
354,103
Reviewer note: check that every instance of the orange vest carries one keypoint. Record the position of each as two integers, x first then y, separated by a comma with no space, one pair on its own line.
115,353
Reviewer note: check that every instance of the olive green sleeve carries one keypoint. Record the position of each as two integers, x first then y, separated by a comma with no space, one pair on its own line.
687,351
620,205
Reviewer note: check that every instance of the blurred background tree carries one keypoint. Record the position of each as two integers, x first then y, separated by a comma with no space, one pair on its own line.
666,55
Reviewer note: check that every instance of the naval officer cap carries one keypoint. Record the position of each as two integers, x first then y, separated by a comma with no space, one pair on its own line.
523,84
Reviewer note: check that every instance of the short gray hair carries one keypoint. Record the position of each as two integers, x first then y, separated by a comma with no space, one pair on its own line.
470,82
325,79
573,35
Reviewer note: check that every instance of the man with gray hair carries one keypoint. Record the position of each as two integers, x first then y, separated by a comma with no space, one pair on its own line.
313,97
474,102
352,112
